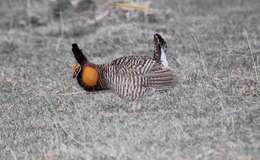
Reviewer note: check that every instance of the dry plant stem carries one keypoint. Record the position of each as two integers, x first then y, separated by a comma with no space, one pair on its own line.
13,154
252,55
136,106
58,124
61,30
201,57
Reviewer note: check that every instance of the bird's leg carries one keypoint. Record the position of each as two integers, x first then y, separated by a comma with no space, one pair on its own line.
136,106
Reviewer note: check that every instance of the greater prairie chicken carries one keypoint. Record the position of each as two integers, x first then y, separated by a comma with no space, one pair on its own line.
130,77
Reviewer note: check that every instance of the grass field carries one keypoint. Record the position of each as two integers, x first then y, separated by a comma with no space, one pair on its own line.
213,112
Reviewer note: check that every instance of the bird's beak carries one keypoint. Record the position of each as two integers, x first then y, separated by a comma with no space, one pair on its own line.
76,68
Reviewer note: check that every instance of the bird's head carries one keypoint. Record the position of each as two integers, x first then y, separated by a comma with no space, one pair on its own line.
87,73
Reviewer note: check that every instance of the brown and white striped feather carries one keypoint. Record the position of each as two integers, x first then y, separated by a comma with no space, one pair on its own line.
137,80
139,63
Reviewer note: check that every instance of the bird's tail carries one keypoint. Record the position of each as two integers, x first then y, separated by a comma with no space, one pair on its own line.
160,48
161,78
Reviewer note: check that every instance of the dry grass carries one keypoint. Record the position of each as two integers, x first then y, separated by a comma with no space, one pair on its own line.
213,113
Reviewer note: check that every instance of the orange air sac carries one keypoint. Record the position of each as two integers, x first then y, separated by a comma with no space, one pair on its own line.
90,76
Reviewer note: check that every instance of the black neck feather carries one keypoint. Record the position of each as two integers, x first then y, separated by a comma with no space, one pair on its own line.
78,54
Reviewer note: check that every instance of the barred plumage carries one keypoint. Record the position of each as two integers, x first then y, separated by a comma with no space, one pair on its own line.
131,77
160,47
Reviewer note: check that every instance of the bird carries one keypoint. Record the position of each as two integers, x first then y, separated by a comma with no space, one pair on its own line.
130,77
